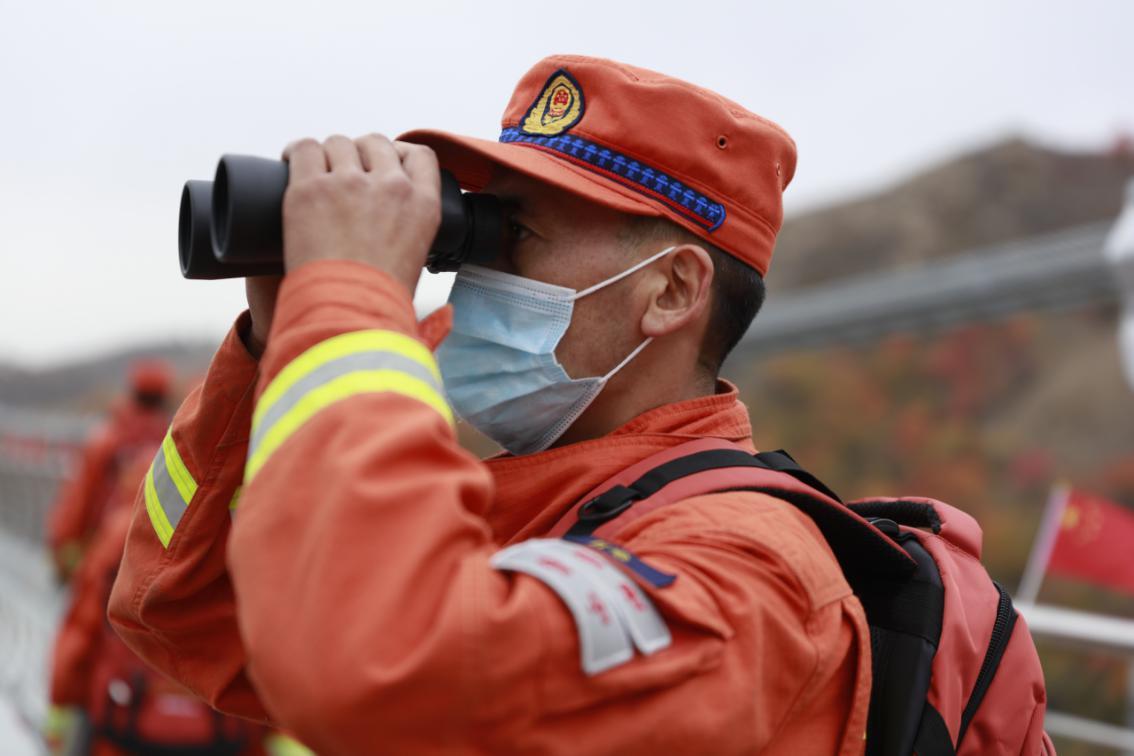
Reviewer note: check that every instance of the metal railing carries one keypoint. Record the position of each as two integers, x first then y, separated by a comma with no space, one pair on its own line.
37,449
1065,269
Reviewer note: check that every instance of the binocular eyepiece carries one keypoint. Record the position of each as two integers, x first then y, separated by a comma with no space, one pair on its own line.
232,227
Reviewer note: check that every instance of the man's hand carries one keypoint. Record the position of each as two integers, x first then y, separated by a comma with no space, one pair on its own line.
370,200
261,292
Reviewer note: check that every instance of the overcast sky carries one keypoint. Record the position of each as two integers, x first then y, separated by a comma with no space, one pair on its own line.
106,108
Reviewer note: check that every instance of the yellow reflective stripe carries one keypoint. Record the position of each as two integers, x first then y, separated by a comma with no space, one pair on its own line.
69,555
341,346
168,489
60,721
154,509
350,384
178,472
278,744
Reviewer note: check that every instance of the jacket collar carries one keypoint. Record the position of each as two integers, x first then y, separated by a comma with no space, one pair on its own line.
533,491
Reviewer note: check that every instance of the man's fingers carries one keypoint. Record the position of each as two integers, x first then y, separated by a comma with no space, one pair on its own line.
377,153
305,158
342,155
384,213
420,164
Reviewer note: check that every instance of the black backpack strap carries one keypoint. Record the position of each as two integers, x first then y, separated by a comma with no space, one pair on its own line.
617,499
908,512
905,614
933,735
859,547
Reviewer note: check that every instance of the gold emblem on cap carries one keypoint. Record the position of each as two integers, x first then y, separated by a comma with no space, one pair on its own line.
558,107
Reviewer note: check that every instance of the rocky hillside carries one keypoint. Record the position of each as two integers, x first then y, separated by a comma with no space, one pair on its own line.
1010,190
1042,391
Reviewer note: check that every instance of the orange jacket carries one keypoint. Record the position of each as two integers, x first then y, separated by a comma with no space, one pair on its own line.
83,499
369,616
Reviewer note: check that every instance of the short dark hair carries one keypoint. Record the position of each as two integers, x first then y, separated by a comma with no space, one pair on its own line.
737,291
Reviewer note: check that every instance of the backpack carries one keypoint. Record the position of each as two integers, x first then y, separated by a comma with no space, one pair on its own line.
954,668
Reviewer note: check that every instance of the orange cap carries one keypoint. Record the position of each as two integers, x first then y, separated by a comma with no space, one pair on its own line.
639,142
150,377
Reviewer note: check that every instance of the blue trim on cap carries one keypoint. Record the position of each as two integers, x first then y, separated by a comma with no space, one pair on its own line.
635,174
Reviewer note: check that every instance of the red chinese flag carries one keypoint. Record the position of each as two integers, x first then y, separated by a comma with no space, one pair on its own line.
1095,543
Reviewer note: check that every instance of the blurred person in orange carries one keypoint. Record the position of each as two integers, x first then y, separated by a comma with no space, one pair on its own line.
105,701
136,421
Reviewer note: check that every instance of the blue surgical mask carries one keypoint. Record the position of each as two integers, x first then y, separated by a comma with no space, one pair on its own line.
499,364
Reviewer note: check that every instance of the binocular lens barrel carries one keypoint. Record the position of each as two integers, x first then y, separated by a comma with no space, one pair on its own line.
195,242
248,209
232,227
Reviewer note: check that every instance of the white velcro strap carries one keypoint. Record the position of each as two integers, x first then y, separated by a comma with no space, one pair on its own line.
612,614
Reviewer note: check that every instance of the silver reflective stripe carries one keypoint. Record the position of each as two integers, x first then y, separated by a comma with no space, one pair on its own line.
369,360
168,495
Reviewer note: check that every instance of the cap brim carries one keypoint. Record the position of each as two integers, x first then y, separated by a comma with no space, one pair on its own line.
474,161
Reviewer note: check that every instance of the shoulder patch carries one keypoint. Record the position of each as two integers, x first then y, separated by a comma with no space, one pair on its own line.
612,614
558,107
623,556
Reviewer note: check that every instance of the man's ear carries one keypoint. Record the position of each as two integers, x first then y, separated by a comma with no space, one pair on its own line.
679,293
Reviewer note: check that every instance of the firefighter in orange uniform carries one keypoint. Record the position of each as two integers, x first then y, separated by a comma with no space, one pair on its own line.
378,589
136,421
105,701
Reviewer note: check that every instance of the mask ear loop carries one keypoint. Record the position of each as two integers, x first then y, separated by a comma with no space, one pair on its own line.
613,279
626,361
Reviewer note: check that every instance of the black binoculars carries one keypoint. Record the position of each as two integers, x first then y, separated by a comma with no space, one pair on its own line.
232,227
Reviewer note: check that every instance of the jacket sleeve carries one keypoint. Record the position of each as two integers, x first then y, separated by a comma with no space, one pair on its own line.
369,606
172,601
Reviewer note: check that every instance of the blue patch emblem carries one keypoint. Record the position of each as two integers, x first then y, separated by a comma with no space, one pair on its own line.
617,554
